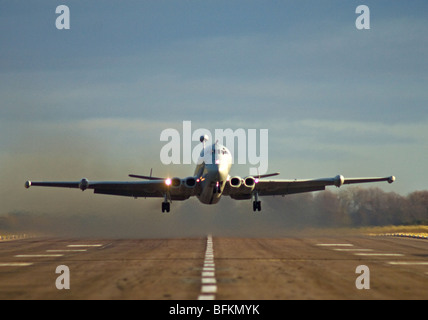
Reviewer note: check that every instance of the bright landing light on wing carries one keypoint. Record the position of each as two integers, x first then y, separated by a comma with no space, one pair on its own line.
168,182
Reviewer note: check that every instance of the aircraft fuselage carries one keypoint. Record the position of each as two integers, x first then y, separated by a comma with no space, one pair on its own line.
212,170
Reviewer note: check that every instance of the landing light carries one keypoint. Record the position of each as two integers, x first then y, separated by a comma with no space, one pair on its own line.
168,182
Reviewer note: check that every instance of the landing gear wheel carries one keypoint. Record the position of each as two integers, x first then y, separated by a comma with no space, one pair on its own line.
257,206
166,206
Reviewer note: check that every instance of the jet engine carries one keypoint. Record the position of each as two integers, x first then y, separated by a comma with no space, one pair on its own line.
175,182
190,182
250,182
243,184
235,182
242,188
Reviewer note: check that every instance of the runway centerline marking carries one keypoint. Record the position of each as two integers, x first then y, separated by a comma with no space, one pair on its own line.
209,289
208,281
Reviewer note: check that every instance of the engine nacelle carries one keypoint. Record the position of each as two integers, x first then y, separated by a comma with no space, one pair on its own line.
235,182
83,184
190,182
250,182
175,182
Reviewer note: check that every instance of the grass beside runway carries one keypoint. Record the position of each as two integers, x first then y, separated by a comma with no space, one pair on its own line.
416,231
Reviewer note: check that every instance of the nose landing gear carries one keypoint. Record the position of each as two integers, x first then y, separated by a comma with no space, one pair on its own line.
217,187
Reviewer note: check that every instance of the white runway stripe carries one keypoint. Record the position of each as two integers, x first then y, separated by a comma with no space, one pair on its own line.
84,245
209,289
67,250
208,281
350,250
38,255
379,254
409,263
15,264
208,269
335,245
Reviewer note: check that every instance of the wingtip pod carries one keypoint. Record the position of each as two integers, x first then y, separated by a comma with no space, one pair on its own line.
339,180
27,184
391,179
83,184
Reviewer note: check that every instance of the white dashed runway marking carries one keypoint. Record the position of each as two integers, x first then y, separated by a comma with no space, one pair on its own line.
16,264
409,263
335,245
84,245
379,254
209,282
38,255
67,250
351,250
347,247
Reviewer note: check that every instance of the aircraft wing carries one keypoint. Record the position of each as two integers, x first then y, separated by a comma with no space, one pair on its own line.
136,189
284,187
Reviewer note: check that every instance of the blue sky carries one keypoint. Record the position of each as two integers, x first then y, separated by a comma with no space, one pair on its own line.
93,100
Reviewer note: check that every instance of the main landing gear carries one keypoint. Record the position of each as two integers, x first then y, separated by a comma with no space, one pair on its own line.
257,204
166,206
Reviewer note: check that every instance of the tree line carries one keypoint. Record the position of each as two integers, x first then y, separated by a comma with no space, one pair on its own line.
355,207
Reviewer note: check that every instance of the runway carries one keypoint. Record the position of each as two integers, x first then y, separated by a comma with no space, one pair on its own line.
217,268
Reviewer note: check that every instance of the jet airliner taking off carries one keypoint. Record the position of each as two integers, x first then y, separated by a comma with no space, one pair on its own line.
210,181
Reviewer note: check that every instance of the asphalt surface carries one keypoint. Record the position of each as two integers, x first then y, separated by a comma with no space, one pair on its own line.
215,268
